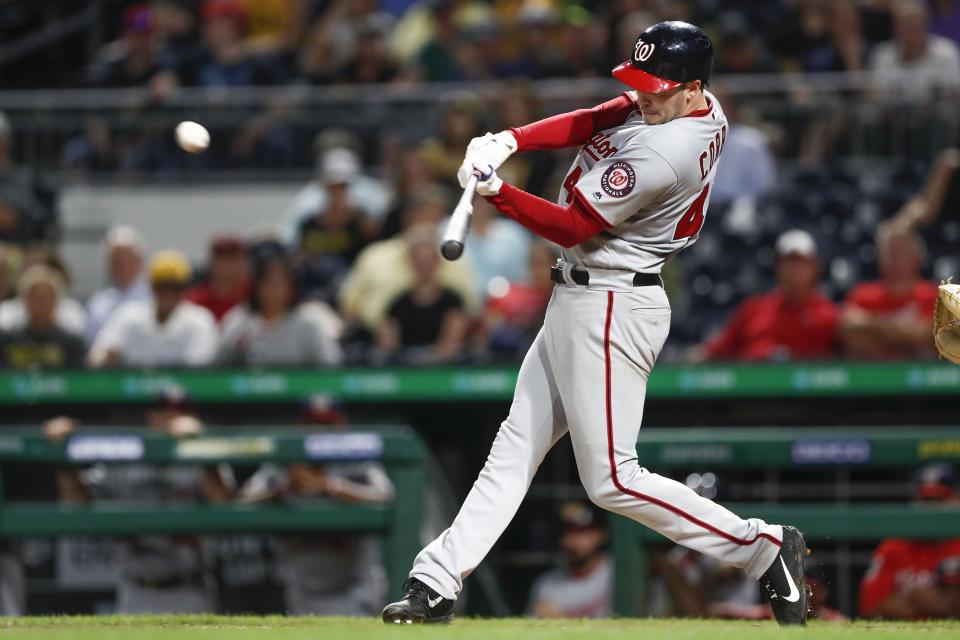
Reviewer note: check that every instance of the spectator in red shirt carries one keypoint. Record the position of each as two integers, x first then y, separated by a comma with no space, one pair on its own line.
793,322
228,277
916,579
892,317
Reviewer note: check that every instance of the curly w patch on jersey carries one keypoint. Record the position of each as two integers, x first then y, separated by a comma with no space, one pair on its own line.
619,179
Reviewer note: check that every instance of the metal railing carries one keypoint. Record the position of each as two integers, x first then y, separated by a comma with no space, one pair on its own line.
809,116
88,20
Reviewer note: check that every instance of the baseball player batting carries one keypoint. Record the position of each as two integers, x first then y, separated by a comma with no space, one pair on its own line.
636,194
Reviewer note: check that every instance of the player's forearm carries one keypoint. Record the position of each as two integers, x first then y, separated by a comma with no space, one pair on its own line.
723,347
388,338
574,128
350,491
688,599
453,336
914,334
933,602
933,192
545,609
895,607
213,486
102,357
860,342
567,226
69,486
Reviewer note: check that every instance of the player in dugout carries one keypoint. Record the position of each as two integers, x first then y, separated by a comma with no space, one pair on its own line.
159,573
583,586
333,574
917,579
636,194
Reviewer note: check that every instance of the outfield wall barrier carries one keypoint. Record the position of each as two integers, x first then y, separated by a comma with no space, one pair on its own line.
474,383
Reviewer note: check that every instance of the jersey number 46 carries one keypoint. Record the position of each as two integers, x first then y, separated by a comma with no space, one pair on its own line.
692,220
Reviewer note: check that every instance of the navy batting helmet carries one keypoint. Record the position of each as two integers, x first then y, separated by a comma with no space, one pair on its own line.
667,55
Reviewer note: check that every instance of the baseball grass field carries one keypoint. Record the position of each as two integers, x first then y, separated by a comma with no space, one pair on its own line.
268,628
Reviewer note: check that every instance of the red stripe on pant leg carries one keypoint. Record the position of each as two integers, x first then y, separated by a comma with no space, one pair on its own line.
613,464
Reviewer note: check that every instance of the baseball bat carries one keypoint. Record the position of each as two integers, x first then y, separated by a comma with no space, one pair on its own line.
451,247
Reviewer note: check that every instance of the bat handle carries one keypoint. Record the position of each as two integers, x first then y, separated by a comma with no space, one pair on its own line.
451,247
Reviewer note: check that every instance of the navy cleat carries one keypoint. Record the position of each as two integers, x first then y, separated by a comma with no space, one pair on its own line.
784,582
419,604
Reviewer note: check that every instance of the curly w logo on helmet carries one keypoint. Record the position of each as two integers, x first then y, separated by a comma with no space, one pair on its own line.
643,51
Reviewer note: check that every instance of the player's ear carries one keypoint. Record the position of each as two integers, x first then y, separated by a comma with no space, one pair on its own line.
694,87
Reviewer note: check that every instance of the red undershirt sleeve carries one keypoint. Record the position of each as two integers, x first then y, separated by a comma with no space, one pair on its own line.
574,128
567,226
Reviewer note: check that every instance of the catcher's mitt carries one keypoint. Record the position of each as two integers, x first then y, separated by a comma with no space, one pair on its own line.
946,321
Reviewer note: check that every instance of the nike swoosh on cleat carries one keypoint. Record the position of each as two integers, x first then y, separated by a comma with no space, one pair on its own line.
433,603
794,594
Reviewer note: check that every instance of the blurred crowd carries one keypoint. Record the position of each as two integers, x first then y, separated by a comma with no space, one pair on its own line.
333,297
216,43
890,318
351,274
906,47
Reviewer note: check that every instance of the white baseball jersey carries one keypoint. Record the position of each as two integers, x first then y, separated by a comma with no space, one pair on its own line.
651,183
586,372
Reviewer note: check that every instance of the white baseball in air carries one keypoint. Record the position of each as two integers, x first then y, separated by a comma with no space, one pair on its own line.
192,136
